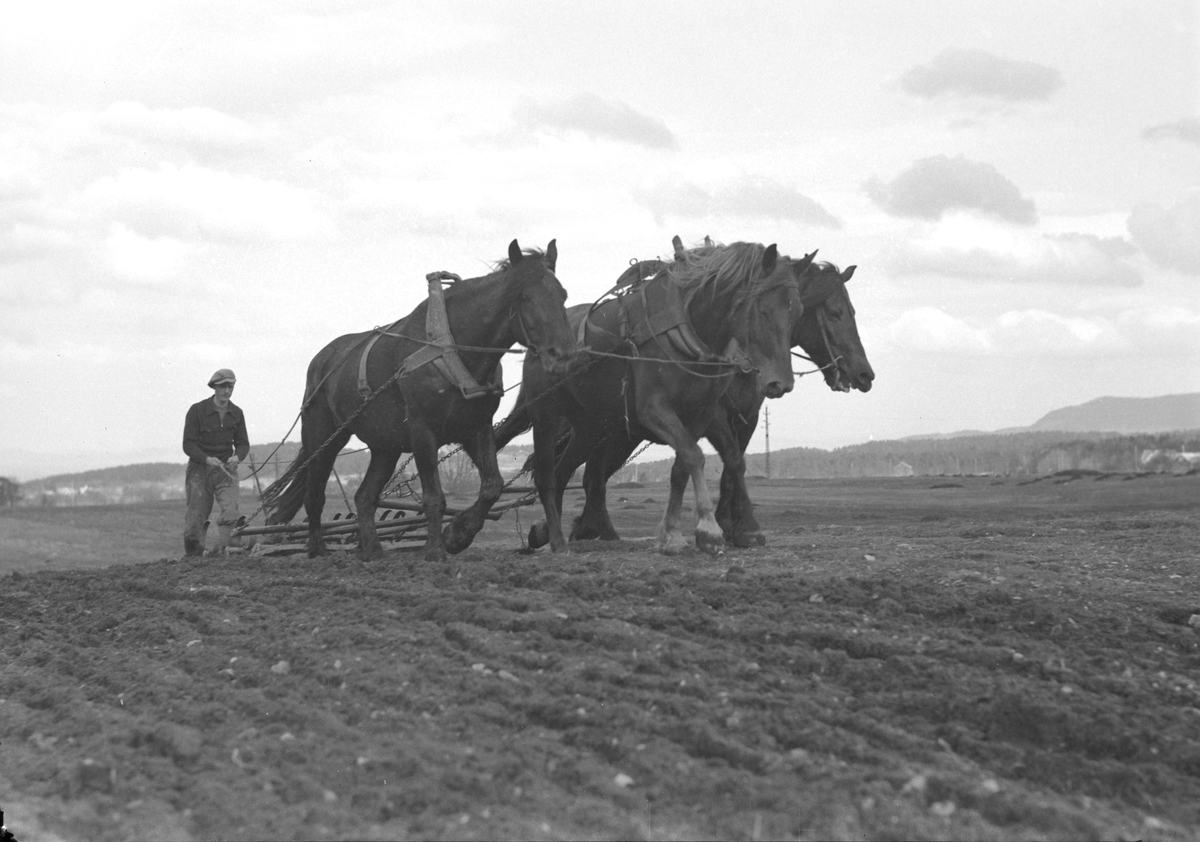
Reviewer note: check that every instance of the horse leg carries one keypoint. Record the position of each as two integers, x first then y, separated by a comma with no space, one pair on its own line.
466,525
735,512
314,500
594,522
366,500
425,454
550,491
689,462
584,447
578,447
669,535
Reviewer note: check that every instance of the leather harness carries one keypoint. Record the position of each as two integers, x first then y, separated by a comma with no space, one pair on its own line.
651,309
439,350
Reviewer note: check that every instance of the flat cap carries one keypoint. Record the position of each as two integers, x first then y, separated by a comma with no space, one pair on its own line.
222,375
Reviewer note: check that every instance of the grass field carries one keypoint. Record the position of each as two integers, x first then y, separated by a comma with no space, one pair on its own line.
919,658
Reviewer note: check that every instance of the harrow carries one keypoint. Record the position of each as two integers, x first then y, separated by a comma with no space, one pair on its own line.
396,521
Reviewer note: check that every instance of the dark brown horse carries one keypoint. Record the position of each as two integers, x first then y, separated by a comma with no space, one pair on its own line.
656,371
828,333
398,403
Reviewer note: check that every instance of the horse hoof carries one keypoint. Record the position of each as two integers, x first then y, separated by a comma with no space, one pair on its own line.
435,555
711,544
672,543
454,541
539,535
747,539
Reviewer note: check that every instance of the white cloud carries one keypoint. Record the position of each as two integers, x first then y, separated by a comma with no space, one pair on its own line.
1018,334
597,118
23,240
1186,130
192,202
1169,236
139,258
204,129
970,249
743,196
15,185
1163,330
977,73
1028,332
931,330
932,186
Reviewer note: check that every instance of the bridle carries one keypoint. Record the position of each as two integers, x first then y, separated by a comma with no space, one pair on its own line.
834,359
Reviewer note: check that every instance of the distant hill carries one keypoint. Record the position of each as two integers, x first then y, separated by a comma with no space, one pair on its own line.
1165,414
1126,415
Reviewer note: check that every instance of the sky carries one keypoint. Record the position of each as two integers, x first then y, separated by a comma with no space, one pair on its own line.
193,186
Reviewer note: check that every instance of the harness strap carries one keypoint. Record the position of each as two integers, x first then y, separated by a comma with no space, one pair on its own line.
734,355
647,323
440,350
364,388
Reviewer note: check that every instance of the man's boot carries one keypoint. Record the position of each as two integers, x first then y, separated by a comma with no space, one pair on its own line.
192,548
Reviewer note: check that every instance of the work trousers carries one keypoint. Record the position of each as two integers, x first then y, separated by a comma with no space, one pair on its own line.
204,484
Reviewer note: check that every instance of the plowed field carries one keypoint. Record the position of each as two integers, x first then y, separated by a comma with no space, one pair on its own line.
921,658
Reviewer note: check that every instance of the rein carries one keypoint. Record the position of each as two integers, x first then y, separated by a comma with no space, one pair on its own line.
834,358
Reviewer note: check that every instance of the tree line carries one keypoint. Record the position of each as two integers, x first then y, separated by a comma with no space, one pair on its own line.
1030,453
995,454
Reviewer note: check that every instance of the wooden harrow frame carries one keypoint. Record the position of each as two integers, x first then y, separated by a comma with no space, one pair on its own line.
396,520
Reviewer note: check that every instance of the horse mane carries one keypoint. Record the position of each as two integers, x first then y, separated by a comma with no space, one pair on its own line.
819,282
722,270
512,291
505,264
823,266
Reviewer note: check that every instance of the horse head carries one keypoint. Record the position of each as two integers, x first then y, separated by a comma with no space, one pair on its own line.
827,330
538,312
764,319
762,303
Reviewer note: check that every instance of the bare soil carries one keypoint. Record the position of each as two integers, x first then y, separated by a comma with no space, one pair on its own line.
920,658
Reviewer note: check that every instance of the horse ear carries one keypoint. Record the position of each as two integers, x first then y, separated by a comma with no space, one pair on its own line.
847,273
677,243
770,256
551,254
803,264
514,252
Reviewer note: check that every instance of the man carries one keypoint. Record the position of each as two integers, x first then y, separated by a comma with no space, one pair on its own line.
215,440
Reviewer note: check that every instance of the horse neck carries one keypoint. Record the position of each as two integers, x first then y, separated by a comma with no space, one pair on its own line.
480,316
711,317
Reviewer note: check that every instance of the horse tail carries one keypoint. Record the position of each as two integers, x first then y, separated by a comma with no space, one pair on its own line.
517,422
284,497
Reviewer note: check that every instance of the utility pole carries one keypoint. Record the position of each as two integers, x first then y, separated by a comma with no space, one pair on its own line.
767,419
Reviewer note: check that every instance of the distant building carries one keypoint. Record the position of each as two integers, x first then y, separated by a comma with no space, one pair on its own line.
1172,461
902,469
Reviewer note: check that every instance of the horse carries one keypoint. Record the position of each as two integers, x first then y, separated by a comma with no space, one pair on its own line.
350,391
828,333
647,370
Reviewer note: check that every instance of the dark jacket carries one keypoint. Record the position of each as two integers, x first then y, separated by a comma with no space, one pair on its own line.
204,435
